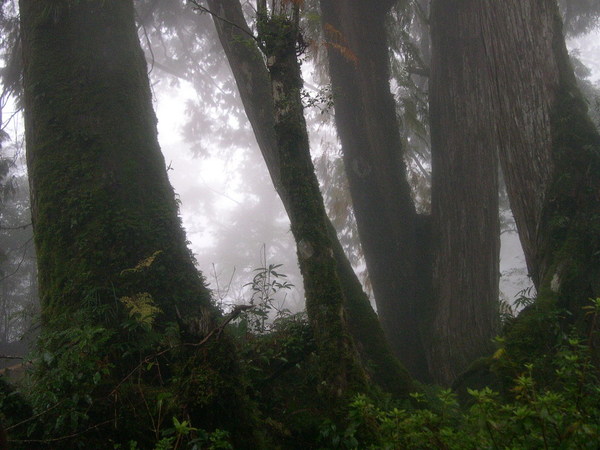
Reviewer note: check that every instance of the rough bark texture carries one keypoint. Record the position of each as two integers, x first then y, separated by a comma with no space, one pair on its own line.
252,79
387,221
550,150
464,191
101,199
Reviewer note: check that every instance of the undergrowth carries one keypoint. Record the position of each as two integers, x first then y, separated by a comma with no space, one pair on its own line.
549,398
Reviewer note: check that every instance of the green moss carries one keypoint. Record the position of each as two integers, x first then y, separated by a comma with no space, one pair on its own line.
339,367
570,226
102,203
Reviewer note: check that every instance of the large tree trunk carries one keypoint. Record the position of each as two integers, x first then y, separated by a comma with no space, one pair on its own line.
102,202
387,221
464,191
549,149
252,79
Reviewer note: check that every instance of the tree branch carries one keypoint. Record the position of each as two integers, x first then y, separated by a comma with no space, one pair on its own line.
223,19
18,227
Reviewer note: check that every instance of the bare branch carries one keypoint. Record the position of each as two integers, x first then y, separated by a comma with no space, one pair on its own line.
223,19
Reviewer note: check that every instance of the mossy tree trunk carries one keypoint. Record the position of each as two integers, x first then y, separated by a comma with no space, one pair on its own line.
464,192
253,81
549,149
102,202
338,362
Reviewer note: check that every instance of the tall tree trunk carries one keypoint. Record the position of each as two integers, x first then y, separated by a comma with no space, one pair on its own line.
304,204
102,202
252,79
549,149
464,191
387,221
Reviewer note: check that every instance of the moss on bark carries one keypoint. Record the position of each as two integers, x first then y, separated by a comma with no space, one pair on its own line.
569,236
340,369
253,80
101,199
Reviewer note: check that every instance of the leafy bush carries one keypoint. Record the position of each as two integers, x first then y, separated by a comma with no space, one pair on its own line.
561,411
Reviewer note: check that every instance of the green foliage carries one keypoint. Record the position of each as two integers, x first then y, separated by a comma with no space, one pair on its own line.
183,435
265,286
556,406
141,307
565,417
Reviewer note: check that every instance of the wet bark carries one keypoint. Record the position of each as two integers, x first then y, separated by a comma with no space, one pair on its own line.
252,79
388,225
464,192
101,199
549,149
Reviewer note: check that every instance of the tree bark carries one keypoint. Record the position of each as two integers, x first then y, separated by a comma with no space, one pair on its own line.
549,149
388,225
338,362
464,191
101,199
252,79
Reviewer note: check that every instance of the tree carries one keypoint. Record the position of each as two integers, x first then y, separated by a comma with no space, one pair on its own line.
18,286
436,286
252,79
107,232
388,225
549,150
464,192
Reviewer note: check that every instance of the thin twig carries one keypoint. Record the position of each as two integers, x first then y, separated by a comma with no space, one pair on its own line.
11,357
35,416
17,227
20,262
233,315
222,19
62,438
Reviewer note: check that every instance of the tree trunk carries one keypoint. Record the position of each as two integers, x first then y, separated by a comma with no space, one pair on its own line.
464,191
101,200
549,149
338,363
252,79
387,221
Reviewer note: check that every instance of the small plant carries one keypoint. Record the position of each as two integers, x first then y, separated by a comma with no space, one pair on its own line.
265,285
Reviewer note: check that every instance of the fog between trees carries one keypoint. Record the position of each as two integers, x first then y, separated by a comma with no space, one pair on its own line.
223,187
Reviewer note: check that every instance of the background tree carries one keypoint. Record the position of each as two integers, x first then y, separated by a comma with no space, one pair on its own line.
464,193
252,79
430,313
387,221
18,273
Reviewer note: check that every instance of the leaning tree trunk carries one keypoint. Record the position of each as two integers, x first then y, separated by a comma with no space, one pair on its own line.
102,202
252,79
464,191
390,230
338,363
549,149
